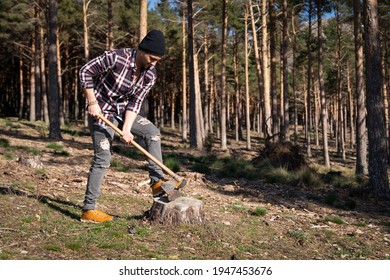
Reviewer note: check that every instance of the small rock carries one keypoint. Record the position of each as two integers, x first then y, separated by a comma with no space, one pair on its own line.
131,230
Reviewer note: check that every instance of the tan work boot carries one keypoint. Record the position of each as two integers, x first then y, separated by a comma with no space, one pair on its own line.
95,216
157,191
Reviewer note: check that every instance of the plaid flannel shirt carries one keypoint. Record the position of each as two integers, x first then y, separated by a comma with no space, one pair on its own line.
111,75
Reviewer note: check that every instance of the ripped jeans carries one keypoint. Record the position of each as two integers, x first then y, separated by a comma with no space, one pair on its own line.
102,138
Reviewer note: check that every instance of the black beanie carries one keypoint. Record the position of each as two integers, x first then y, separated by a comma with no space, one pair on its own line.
153,43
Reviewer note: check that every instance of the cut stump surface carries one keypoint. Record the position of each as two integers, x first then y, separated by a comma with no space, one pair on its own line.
183,210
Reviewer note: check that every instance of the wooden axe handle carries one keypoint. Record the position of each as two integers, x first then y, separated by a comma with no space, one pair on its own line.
145,152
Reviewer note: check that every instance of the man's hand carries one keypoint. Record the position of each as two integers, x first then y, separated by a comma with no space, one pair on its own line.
127,137
93,106
128,123
94,110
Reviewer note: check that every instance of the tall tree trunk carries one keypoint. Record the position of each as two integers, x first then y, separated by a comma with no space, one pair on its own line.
351,110
38,90
294,51
195,130
54,106
43,77
59,77
361,131
206,81
236,86
223,75
341,139
309,77
286,94
212,97
184,78
173,107
247,101
86,48
21,85
32,117
266,70
257,58
76,91
143,18
274,98
324,113
375,110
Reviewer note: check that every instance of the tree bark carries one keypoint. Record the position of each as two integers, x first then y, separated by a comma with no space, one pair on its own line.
324,113
286,94
43,78
257,57
86,47
266,70
223,75
375,109
247,104
195,129
351,110
273,94
309,76
184,77
361,131
32,117
54,108
143,18
21,85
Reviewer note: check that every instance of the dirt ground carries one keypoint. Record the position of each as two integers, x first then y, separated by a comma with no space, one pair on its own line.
298,224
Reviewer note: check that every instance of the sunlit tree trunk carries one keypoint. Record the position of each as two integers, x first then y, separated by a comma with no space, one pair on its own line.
21,85
196,140
43,77
143,18
223,75
361,131
206,80
63,97
266,69
257,57
341,140
324,113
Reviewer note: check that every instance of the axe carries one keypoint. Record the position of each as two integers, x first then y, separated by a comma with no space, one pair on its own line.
171,188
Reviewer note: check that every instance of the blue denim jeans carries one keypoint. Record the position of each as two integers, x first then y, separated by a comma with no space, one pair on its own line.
102,136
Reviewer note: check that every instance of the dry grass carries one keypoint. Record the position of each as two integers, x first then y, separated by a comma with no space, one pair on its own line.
249,217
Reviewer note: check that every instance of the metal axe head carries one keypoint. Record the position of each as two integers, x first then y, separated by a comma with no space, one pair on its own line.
171,188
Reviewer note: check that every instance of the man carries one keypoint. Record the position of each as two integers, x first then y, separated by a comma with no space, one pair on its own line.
115,84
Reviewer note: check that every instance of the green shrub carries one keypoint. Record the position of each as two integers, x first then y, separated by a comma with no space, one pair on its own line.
173,164
259,211
4,143
334,219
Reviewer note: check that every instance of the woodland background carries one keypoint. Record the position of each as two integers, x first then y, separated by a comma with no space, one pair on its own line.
289,70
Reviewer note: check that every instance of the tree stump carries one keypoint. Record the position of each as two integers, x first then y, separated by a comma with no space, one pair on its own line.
183,210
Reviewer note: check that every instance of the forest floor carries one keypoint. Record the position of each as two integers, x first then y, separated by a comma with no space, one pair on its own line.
42,187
